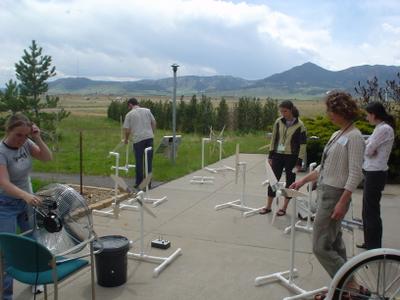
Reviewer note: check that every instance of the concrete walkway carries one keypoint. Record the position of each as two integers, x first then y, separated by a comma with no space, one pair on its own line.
222,251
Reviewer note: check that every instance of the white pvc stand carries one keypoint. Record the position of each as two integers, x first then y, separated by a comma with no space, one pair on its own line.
299,224
219,169
203,179
287,277
275,205
162,261
127,166
154,201
115,206
275,185
240,204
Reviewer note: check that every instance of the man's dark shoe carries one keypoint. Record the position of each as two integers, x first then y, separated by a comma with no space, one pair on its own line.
361,246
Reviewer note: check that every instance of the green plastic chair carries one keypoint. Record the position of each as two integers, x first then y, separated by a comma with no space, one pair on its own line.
32,263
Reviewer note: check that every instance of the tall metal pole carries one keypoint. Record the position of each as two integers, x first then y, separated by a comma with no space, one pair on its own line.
81,162
174,68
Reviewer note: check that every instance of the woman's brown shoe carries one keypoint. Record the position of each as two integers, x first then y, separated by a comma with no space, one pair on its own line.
265,211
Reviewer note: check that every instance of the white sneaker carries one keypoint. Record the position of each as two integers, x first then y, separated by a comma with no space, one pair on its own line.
37,289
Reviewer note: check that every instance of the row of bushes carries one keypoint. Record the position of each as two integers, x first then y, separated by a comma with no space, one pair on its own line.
323,128
247,115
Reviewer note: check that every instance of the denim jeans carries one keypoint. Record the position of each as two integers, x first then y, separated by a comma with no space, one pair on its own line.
13,213
138,148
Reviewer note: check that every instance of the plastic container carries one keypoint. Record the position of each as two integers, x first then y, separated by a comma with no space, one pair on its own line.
111,262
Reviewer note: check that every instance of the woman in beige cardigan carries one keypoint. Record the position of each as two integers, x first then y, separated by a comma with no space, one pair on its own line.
338,176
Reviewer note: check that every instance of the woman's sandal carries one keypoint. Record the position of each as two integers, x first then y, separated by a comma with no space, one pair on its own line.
264,211
281,213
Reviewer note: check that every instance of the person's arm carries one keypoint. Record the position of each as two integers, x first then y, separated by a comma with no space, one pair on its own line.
152,121
127,132
312,176
378,137
340,209
273,138
303,146
39,150
15,191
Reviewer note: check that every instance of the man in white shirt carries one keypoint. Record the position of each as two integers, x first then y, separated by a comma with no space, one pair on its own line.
141,124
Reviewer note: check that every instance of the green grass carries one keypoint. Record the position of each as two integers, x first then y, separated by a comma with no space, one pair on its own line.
101,135
37,184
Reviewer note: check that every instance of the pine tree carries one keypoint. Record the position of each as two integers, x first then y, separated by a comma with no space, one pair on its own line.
270,113
222,119
28,95
10,100
33,71
190,115
205,115
180,114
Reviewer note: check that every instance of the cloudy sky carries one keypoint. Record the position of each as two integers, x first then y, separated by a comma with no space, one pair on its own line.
252,39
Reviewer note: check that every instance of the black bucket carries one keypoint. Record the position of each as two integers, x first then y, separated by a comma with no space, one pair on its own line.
111,262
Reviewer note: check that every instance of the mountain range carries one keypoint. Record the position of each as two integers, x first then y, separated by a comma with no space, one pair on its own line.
307,81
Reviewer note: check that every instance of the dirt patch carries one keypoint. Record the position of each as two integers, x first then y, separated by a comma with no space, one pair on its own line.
94,194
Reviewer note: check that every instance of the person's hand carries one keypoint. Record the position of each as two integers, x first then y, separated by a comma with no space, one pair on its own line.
270,161
35,131
339,211
296,185
32,199
126,141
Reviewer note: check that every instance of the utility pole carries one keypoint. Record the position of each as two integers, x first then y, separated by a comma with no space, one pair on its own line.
174,69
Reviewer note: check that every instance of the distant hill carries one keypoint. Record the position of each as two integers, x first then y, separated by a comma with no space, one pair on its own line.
305,81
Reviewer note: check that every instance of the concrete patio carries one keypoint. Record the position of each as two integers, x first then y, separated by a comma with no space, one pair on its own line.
222,251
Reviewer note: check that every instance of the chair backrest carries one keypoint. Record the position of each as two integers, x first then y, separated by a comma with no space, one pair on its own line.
24,253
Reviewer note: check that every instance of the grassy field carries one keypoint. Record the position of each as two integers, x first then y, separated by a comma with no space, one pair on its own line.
100,135
88,130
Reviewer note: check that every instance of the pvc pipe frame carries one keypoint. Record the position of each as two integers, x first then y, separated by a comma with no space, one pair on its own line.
116,207
154,201
213,170
165,261
240,204
299,224
292,272
203,179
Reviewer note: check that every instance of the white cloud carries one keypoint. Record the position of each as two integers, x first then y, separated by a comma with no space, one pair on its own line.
136,39
390,28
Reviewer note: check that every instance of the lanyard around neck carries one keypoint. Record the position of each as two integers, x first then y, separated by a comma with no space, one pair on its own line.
331,142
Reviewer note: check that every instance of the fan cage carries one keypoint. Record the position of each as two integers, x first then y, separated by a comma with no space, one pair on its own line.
75,217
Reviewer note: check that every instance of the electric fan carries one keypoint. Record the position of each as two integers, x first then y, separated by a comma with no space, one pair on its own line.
63,222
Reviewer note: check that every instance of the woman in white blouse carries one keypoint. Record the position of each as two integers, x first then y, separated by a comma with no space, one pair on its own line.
375,168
